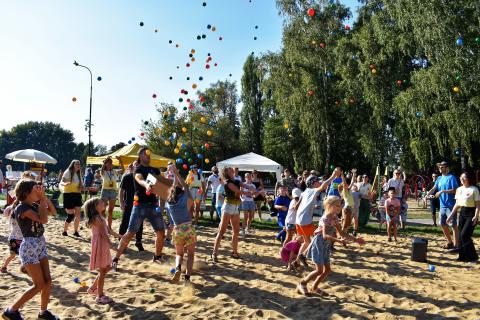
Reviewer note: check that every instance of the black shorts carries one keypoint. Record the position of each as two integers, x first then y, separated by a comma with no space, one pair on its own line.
72,200
14,245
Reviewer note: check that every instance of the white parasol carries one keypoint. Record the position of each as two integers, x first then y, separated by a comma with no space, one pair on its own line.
31,155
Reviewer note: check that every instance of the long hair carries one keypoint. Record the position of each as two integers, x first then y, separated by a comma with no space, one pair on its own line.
104,165
71,168
175,193
225,173
90,209
22,189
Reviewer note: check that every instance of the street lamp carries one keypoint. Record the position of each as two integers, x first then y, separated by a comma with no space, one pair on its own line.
89,124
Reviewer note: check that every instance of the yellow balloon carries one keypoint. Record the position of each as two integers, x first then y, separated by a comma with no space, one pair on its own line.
314,42
207,160
166,114
179,144
374,71
290,75
167,142
456,89
192,51
194,86
193,59
203,120
285,125
176,150
209,133
148,152
158,130
214,29
184,129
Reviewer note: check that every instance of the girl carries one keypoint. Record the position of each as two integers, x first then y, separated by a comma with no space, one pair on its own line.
468,203
14,239
31,212
319,250
230,212
248,205
179,203
289,252
220,194
260,197
100,257
71,186
292,215
109,187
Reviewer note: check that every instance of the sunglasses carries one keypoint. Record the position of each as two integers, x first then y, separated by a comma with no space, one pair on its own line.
397,173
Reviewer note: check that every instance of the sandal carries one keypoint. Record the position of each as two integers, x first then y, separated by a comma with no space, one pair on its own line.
103,300
3,270
235,255
302,288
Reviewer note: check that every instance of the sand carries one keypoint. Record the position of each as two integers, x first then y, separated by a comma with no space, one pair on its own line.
377,281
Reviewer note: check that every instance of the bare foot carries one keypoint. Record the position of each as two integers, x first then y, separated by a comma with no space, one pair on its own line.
302,288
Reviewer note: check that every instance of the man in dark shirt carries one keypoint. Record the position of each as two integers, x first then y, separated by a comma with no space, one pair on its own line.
127,193
145,206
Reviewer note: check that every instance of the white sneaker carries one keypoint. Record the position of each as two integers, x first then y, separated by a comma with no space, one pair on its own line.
242,233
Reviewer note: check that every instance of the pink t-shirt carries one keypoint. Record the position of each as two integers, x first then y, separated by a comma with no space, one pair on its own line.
392,206
327,222
294,246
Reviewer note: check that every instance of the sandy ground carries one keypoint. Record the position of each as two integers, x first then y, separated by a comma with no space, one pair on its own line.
377,281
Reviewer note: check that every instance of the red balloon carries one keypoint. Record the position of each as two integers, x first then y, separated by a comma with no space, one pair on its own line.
191,107
310,92
322,45
202,99
207,66
142,134
148,193
135,203
188,100
184,166
188,65
154,96
311,12
347,27
207,145
215,64
399,82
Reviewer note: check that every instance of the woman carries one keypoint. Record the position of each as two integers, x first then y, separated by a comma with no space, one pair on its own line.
109,187
364,209
230,213
468,203
32,208
71,186
260,197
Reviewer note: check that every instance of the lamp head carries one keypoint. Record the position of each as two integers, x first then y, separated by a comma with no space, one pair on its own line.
75,63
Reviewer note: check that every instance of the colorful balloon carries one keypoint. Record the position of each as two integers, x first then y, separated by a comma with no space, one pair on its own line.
176,150
184,130
167,142
311,12
203,120
459,42
209,133
184,166
456,89
74,99
207,161
207,145
154,96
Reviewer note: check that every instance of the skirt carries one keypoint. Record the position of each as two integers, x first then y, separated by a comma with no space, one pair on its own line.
319,250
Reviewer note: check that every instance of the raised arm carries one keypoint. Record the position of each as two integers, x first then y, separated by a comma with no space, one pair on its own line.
325,184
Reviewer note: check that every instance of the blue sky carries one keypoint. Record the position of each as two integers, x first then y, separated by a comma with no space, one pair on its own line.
40,40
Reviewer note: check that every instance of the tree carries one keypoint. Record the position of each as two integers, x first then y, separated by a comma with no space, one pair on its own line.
48,137
252,111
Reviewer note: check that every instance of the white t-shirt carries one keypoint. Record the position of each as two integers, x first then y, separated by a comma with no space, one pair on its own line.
292,213
214,179
398,185
239,178
307,205
220,195
1,178
467,197
364,189
245,197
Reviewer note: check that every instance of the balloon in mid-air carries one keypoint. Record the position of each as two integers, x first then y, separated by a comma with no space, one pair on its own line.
311,12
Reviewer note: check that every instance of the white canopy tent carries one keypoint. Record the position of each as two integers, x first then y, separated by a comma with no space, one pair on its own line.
251,161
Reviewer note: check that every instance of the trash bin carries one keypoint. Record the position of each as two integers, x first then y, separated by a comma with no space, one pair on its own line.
363,212
419,249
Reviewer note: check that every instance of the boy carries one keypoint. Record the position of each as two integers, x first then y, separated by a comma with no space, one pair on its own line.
392,207
282,202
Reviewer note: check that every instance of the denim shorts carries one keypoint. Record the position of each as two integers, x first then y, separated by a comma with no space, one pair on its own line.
145,211
108,194
229,208
248,206
196,196
444,213
32,250
319,250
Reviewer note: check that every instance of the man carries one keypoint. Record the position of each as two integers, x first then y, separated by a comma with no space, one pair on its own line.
445,187
144,207
213,181
126,196
398,183
237,177
434,202
196,182
287,181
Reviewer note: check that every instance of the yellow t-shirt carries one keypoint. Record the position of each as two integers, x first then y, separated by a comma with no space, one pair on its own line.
109,180
467,197
74,186
347,196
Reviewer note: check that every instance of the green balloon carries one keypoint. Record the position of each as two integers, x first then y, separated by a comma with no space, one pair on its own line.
187,154
458,78
477,40
332,167
190,160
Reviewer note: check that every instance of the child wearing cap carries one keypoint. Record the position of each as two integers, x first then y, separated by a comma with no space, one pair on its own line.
292,215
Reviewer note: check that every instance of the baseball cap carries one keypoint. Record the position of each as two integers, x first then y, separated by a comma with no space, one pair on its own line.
311,180
296,193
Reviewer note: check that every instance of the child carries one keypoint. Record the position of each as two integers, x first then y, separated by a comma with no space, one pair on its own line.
100,257
319,251
289,252
356,206
31,212
392,207
178,203
15,238
292,215
381,208
347,210
282,203
248,205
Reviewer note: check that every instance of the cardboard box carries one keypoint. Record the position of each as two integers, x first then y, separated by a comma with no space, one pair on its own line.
160,185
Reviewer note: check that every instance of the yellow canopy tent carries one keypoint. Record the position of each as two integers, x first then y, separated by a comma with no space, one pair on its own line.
129,154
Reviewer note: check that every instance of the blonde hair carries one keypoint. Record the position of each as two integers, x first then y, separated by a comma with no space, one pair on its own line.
331,201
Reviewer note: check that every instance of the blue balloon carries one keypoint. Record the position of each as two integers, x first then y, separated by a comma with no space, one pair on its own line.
212,123
354,57
199,155
172,270
183,146
158,209
200,171
129,141
76,280
459,42
419,114
179,160
328,74
133,138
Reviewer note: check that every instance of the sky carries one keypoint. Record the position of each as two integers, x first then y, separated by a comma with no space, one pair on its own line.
41,39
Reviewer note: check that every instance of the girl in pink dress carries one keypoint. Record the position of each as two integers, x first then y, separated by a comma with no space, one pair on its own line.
100,258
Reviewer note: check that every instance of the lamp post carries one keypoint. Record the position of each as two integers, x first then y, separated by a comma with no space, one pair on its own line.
89,124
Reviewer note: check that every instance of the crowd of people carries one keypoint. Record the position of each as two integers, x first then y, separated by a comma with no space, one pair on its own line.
342,201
